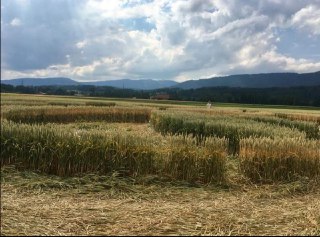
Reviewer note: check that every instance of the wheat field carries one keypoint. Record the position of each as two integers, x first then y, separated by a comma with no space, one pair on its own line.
148,146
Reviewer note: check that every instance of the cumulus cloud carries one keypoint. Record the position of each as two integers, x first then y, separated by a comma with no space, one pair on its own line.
15,22
180,40
308,19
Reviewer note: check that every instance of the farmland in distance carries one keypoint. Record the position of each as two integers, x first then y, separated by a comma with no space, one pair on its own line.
95,166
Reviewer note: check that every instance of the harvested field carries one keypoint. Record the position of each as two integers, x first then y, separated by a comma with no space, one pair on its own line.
123,208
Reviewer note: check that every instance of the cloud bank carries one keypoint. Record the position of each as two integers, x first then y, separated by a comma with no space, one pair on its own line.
160,39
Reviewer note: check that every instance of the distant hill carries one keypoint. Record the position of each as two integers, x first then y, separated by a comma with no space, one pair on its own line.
53,81
266,80
146,84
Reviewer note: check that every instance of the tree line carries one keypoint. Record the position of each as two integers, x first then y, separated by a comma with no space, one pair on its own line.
303,96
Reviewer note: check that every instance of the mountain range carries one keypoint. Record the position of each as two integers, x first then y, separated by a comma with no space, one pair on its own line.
266,80
146,84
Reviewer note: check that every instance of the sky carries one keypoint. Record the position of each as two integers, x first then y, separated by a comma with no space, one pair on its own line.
93,40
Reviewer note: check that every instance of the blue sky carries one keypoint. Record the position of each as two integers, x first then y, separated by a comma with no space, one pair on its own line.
161,39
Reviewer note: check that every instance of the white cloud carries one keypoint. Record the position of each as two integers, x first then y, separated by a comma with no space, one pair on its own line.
81,44
188,39
15,22
308,19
